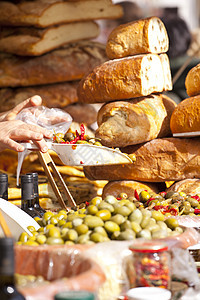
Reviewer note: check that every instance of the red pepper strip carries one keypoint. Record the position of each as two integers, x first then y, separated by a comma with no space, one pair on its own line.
119,198
173,211
197,211
137,196
75,140
82,128
158,207
196,197
87,203
150,199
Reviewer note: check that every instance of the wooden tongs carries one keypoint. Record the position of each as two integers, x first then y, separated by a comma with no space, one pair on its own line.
46,161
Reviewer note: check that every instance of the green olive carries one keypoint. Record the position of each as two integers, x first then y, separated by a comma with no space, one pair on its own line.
159,234
157,215
104,214
23,237
96,200
172,223
41,239
100,230
135,227
54,220
136,216
131,205
123,210
72,235
68,225
106,205
119,219
69,136
81,229
97,143
110,199
31,228
83,239
92,209
97,237
144,233
54,241
126,225
93,221
77,221
123,196
46,217
144,196
54,232
145,221
128,234
31,243
111,226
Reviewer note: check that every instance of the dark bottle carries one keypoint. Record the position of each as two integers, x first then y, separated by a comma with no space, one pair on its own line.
8,290
4,186
36,193
74,295
27,196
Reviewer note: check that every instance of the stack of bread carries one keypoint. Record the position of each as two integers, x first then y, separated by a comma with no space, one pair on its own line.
136,113
46,47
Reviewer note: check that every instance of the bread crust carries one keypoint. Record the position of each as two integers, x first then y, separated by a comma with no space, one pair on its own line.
192,81
160,160
30,41
127,186
138,120
186,116
188,186
135,38
124,78
54,95
69,63
45,13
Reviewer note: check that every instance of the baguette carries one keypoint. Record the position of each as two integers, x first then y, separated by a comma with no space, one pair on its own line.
186,116
160,160
29,41
53,95
138,37
123,123
125,78
188,186
45,13
69,63
192,81
115,188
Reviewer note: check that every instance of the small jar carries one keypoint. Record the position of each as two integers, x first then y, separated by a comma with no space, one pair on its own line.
150,265
74,295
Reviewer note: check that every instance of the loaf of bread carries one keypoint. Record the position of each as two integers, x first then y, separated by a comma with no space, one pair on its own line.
186,116
53,95
125,78
188,186
135,121
128,186
45,13
159,160
33,42
138,37
192,81
69,63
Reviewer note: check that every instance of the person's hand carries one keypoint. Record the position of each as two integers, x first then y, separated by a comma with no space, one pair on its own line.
12,131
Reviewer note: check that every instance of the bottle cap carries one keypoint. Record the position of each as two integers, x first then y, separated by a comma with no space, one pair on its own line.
26,178
74,295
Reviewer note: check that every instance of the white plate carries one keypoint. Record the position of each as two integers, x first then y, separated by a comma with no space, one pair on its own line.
16,219
85,154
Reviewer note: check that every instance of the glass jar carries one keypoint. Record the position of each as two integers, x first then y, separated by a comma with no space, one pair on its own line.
150,265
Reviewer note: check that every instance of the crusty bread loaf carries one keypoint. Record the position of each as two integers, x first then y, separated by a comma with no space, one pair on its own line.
45,13
53,95
159,160
186,116
33,42
192,81
138,37
71,62
123,123
128,186
125,78
188,186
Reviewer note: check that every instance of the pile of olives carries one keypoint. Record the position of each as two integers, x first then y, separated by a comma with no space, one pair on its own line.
100,221
171,203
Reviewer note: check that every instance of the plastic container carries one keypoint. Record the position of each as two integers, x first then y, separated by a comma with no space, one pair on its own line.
74,295
147,293
151,265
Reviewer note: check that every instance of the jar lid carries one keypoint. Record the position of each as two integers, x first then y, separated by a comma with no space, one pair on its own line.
150,246
146,293
74,295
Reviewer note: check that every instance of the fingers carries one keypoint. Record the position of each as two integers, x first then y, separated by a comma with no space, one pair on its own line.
30,102
41,145
11,144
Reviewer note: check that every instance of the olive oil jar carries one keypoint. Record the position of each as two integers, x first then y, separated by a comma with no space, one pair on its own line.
150,265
